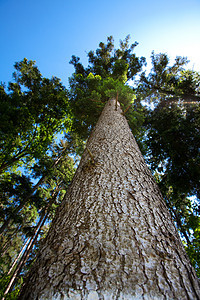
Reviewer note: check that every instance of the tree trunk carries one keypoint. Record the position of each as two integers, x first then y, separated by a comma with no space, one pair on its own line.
9,220
8,243
31,243
113,236
18,256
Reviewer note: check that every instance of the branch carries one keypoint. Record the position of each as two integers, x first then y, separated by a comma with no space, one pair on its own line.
189,98
123,113
116,101
91,156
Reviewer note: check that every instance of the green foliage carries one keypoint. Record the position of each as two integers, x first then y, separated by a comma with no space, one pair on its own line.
120,63
174,143
193,248
13,189
13,294
169,84
32,112
105,77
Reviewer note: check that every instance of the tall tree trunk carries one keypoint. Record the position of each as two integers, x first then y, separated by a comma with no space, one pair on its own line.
113,236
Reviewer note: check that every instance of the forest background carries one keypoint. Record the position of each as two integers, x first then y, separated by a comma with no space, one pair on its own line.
45,121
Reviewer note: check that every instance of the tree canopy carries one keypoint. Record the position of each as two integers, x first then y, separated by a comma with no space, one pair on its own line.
106,76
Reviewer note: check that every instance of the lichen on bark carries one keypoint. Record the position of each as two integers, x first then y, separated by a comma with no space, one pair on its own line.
113,237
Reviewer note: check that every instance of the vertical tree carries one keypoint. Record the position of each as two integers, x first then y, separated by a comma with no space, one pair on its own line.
113,237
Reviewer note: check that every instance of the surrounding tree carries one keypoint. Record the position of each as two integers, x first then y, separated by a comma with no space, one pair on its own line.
32,112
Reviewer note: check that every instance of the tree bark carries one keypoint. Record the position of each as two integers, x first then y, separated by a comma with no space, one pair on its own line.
113,236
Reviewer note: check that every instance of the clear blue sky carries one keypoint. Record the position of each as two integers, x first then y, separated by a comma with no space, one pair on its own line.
50,32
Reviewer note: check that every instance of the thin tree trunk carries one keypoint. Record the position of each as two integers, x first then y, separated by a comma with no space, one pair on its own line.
18,256
180,226
9,221
7,244
24,258
5,248
113,236
31,243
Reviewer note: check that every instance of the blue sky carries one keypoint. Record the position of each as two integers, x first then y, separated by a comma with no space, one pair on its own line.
50,32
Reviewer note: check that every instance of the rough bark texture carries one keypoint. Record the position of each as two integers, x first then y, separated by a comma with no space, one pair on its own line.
113,237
